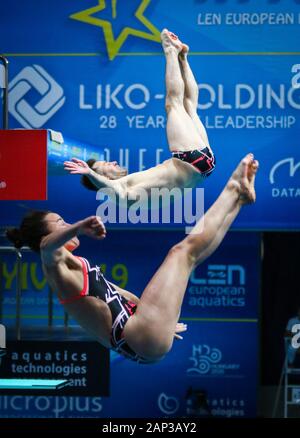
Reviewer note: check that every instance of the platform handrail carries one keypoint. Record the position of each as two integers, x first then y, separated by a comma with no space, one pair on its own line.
18,253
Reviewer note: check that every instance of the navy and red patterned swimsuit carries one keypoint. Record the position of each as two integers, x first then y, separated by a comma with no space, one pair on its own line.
121,309
203,160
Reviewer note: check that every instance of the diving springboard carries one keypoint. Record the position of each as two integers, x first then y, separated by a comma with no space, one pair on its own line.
32,384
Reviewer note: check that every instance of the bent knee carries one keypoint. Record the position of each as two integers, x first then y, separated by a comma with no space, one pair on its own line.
196,246
184,252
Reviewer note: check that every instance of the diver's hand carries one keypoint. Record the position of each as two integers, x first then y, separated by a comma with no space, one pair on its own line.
77,166
180,327
93,227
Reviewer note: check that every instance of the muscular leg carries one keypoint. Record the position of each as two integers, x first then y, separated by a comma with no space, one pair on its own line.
191,93
150,331
181,131
249,195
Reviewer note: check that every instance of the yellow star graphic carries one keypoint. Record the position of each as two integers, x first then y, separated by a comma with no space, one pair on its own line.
114,45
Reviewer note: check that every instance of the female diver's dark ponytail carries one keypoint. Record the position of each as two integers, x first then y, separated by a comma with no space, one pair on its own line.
15,236
33,228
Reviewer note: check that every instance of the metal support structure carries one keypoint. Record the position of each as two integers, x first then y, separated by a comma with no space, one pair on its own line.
66,320
9,249
4,62
281,380
2,354
18,295
284,381
24,384
50,307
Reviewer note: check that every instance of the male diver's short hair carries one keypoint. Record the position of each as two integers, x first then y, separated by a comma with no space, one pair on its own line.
85,181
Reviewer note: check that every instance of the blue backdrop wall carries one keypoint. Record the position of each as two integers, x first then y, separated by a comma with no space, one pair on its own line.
94,70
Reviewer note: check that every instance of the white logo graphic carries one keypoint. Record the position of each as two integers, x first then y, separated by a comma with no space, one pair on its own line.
2,336
168,405
296,77
202,358
53,407
206,360
292,168
221,275
2,185
220,286
34,78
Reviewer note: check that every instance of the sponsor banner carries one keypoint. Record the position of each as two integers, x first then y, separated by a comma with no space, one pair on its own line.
277,149
276,205
85,366
97,24
211,360
218,350
35,293
225,286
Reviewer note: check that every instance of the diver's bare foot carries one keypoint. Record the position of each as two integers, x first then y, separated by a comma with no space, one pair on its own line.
243,179
170,40
252,170
184,52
